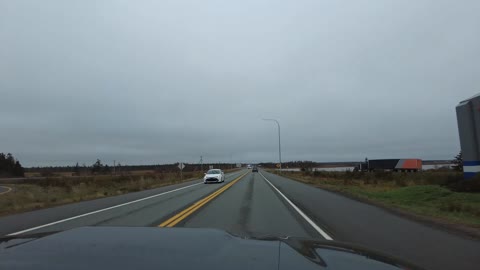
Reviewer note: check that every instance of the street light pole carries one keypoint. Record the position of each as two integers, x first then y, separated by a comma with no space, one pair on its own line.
279,144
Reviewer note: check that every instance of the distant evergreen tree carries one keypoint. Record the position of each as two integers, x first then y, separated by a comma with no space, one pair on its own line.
9,166
18,169
106,169
76,169
458,162
97,166
10,162
3,162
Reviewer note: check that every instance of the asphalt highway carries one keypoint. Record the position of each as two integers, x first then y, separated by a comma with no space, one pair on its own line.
261,204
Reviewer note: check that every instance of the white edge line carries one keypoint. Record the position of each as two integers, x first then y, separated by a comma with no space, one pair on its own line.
9,189
99,211
315,226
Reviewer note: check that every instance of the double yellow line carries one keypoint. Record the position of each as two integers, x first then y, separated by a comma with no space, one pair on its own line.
187,212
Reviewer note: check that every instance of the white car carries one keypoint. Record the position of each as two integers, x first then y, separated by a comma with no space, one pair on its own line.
214,176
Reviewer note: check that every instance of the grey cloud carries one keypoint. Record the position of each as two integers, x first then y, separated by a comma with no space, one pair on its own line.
155,82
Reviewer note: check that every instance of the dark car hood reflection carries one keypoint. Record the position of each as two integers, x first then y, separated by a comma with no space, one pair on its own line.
182,248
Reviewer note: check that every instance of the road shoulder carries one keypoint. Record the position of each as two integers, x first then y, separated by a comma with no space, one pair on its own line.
458,229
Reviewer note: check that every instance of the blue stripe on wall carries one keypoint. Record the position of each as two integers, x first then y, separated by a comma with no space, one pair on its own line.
469,175
471,163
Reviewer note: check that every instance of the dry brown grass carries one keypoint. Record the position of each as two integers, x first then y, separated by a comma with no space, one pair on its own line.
40,193
36,194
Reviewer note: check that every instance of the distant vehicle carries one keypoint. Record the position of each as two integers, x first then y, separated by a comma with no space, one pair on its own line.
94,247
255,169
214,176
249,166
403,165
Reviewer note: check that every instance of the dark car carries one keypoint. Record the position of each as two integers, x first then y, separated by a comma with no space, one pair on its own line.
181,248
255,169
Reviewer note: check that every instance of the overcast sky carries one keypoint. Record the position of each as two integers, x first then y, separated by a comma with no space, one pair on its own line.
145,82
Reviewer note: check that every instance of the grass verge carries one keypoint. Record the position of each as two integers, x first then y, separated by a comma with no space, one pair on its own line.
43,193
408,193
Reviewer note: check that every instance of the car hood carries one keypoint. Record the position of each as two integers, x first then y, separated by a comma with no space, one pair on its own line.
181,248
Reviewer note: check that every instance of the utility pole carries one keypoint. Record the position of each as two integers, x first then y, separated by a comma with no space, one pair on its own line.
279,145
201,162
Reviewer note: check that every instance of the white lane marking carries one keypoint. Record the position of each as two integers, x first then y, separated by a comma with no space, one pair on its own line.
6,191
99,211
315,226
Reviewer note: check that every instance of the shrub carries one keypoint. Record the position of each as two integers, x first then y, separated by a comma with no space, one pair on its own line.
417,179
400,182
454,207
359,175
366,180
46,174
306,173
465,185
382,175
187,175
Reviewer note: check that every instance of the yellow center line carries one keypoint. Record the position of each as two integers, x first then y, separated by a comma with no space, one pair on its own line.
191,207
185,213
189,212
194,205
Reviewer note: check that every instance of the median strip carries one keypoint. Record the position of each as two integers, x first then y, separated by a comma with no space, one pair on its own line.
190,210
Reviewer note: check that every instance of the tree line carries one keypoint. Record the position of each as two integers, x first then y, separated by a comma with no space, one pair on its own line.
98,167
10,167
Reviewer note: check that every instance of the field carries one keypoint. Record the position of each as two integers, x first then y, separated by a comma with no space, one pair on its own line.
424,194
67,174
41,193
